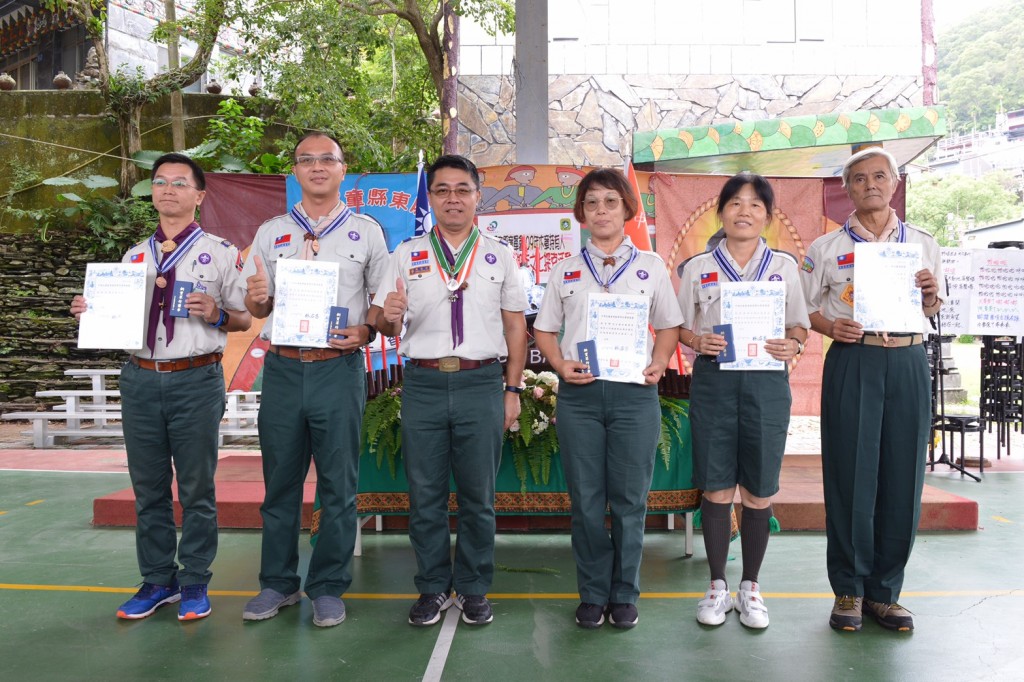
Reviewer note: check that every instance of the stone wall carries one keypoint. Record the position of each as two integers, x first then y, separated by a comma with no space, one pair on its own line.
592,118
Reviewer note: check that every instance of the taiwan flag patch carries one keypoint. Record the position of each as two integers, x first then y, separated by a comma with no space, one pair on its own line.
571,277
708,279
419,257
845,261
282,241
138,257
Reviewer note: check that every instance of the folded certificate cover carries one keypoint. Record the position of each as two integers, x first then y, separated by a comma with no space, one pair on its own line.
181,292
587,351
729,353
337,320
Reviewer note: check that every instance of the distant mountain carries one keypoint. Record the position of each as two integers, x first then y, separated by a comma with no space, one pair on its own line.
981,64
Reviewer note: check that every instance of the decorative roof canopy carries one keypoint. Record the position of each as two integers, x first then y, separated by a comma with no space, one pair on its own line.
794,146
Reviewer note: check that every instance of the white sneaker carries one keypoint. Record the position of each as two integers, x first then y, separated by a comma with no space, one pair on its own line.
753,612
717,602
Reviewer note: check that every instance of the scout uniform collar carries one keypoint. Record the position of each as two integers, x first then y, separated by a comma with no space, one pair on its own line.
722,258
312,235
589,262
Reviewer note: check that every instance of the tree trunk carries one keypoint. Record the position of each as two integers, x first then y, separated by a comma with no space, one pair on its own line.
450,85
129,125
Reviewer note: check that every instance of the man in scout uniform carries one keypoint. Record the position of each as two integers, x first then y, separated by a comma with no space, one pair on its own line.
313,398
172,393
459,294
875,405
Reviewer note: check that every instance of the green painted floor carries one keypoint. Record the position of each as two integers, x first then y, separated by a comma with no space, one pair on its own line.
61,581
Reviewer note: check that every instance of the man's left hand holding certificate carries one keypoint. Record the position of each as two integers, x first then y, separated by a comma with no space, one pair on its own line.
305,292
114,299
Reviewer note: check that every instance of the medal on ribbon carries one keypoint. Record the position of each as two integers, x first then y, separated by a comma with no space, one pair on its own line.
453,272
311,234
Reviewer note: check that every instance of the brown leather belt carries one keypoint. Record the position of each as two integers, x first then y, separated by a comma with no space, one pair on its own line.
451,363
310,354
177,364
900,341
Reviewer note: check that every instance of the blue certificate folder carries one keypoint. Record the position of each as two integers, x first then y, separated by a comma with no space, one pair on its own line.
729,354
337,320
588,355
181,292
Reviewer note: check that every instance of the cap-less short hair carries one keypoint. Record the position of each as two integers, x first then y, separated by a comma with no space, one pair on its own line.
610,179
175,157
456,162
318,133
737,182
864,155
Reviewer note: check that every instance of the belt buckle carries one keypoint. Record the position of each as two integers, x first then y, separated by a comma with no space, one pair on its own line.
302,354
157,363
449,364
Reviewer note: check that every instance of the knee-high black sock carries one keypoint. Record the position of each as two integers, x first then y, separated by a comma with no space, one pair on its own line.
754,531
716,522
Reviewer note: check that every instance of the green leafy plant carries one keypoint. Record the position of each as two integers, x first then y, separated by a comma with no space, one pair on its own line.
674,413
382,432
112,224
532,436
238,135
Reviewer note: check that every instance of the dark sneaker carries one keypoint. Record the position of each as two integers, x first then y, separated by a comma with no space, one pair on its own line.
267,603
890,616
476,610
194,603
589,616
623,616
427,609
148,599
328,611
846,613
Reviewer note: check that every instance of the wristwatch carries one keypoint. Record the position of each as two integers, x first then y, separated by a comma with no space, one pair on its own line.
799,346
373,333
515,389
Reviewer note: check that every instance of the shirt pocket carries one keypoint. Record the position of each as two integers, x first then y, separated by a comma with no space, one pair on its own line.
708,298
206,279
351,256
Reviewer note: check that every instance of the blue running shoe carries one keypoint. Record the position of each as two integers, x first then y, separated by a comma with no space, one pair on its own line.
148,599
194,602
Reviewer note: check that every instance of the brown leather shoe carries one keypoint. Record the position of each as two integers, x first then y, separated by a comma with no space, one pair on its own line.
890,616
846,613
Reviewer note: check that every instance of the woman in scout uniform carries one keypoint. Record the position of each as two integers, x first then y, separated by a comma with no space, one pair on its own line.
607,431
739,418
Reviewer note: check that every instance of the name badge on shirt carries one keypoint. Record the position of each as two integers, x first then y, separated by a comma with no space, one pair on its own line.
847,295
181,292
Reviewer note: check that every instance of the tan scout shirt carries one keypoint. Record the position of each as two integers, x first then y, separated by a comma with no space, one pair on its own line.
494,285
828,283
700,289
570,283
358,247
211,264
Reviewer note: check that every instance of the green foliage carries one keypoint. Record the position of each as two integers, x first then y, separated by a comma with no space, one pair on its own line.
965,338
382,432
111,224
533,438
674,414
979,66
239,135
280,163
941,205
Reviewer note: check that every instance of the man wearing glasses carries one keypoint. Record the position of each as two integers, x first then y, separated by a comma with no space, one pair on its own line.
172,392
313,398
458,293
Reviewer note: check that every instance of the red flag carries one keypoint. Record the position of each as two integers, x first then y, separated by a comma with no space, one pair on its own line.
636,229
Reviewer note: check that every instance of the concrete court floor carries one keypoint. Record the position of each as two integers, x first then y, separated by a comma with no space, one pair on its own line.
61,581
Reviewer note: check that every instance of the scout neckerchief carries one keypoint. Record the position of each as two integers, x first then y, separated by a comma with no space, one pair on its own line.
615,275
453,272
311,234
901,232
725,266
173,251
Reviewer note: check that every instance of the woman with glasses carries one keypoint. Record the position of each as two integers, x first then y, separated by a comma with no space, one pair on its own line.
607,430
739,418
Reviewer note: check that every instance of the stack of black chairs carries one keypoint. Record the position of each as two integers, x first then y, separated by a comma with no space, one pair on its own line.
1002,388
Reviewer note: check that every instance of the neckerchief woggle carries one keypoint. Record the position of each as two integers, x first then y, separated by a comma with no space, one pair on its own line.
303,222
725,266
901,232
453,272
159,306
633,251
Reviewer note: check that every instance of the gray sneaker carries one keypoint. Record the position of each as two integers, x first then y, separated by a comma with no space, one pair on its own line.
267,603
328,611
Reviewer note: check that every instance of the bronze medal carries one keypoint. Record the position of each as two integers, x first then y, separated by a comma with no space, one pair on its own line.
161,282
167,246
316,246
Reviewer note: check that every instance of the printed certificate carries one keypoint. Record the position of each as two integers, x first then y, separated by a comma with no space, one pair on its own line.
617,323
115,294
886,298
757,312
304,292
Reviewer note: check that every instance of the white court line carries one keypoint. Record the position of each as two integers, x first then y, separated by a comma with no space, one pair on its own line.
443,645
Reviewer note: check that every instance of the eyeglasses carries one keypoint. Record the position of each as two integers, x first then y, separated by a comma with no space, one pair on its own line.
610,203
161,183
460,192
327,160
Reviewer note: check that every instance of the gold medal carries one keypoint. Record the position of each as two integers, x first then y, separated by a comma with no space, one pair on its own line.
316,246
161,282
167,246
